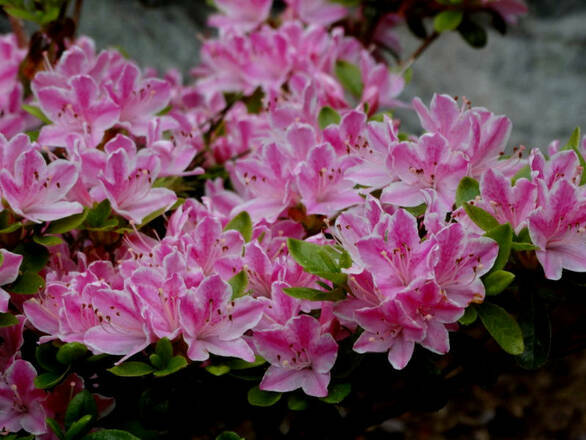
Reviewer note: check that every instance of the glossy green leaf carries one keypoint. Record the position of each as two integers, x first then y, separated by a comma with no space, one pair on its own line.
28,283
337,393
229,435
164,350
82,404
131,369
79,427
467,190
36,112
240,364
497,281
519,247
447,20
97,216
416,211
483,219
175,364
110,434
536,327
241,223
35,256
7,320
218,370
239,283
296,402
258,397
54,426
474,34
327,116
315,294
48,240
11,228
50,379
503,235
45,355
502,327
71,352
350,77
469,317
523,173
574,144
67,224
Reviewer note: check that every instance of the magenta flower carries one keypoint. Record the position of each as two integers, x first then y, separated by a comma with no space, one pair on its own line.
318,12
388,327
21,403
322,185
9,265
563,165
128,179
80,109
213,323
428,164
301,356
240,15
558,227
36,190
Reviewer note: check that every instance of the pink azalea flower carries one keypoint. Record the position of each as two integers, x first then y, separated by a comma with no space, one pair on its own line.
21,403
318,12
213,323
428,164
431,310
81,109
300,354
322,185
460,262
558,227
127,181
388,327
396,256
563,165
36,190
279,307
240,15
138,99
43,311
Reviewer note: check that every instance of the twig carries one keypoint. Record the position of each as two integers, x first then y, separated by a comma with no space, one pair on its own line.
77,12
19,31
426,43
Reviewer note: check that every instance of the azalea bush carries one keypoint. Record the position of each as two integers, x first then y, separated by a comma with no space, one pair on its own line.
266,235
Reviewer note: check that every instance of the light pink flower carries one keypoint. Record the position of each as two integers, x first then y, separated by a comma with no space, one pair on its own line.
240,15
9,266
213,323
318,12
300,354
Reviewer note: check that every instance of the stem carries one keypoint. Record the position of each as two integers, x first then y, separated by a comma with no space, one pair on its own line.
426,43
77,12
19,31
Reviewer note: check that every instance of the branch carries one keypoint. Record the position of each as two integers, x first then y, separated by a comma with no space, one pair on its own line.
19,31
426,43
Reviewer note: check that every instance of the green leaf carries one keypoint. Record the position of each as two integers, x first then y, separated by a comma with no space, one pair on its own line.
241,223
523,173
350,77
49,379
467,190
82,404
536,327
240,364
416,211
469,316
48,240
502,327
297,403
574,141
337,393
28,283
67,224
79,427
54,426
164,350
7,320
327,116
497,281
165,110
239,283
11,228
45,355
254,102
447,20
97,216
483,219
218,370
175,364
71,352
574,144
36,112
131,369
315,294
35,256
110,434
157,362
258,397
517,246
473,34
324,261
229,435
503,235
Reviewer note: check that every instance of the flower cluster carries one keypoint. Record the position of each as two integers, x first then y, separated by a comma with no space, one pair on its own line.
266,211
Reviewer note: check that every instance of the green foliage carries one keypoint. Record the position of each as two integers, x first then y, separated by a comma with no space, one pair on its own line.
67,224
503,235
241,223
574,144
49,379
497,281
131,369
258,397
36,112
536,327
39,12
7,320
315,294
337,393
328,116
469,317
474,34
447,20
239,283
110,434
323,261
229,435
82,404
48,240
502,327
71,352
296,402
27,283
467,190
483,219
350,77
